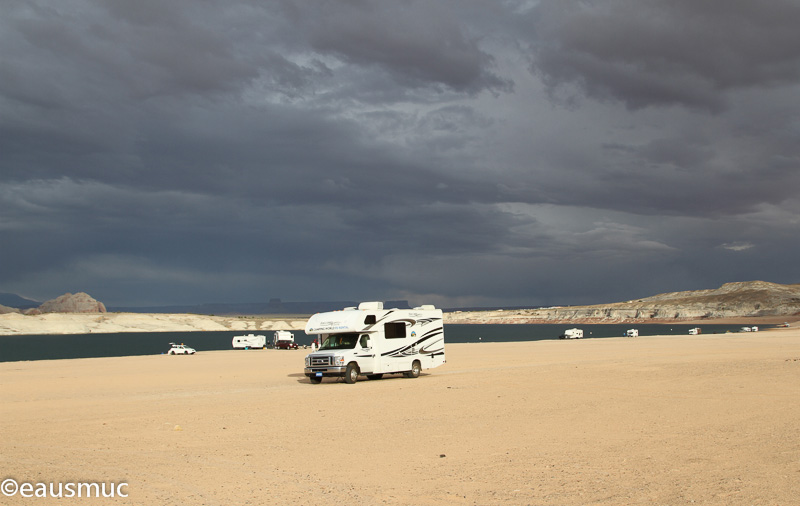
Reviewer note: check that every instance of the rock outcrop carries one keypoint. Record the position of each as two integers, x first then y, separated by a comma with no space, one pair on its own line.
68,303
731,300
6,310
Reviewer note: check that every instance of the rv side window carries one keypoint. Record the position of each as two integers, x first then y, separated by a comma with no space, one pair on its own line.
395,330
369,320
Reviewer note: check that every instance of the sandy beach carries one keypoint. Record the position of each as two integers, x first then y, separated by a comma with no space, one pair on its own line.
710,419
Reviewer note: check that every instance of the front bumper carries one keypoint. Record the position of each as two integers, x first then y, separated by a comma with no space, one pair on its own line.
327,372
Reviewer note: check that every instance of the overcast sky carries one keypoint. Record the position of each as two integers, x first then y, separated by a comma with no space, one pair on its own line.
457,152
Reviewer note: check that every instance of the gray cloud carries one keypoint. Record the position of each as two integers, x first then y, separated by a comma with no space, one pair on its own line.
660,53
460,153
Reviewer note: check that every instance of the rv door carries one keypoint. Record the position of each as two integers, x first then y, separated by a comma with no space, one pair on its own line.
366,353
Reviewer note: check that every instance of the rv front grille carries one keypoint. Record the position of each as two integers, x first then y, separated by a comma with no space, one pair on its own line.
318,361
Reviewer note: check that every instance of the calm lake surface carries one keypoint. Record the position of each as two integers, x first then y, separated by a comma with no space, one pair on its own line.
55,347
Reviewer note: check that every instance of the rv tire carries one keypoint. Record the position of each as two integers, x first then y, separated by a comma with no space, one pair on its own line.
351,373
414,372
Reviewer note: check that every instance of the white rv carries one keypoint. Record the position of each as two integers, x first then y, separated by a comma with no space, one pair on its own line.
695,331
283,340
632,333
572,334
373,341
249,341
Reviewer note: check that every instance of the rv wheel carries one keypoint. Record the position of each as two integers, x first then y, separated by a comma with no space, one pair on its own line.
351,373
414,372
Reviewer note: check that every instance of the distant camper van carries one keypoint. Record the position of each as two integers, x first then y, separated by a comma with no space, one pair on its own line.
373,341
572,334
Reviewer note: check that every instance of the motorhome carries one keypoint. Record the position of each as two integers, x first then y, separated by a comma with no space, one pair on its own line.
283,340
695,331
372,341
249,341
572,334
632,333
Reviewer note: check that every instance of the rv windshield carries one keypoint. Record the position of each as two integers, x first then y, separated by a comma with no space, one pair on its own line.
344,341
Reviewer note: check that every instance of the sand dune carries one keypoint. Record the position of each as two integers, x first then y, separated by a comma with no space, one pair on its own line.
708,419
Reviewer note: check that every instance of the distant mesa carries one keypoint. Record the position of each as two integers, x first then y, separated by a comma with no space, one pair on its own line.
73,303
731,300
68,303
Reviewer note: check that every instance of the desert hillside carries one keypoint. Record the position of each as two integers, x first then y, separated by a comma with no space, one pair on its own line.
87,323
732,301
748,302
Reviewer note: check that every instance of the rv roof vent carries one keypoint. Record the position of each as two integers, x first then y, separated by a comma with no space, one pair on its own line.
426,307
371,306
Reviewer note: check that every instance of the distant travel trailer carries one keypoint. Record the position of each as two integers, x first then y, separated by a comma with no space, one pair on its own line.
249,341
695,331
373,341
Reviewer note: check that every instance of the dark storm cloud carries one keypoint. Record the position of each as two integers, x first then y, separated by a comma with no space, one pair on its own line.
654,52
417,43
458,152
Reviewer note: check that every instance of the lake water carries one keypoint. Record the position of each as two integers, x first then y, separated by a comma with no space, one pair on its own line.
53,347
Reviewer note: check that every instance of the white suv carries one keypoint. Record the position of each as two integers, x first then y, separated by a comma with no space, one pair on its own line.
181,349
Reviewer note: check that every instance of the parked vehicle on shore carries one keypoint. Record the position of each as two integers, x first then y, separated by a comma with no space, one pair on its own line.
572,334
373,341
283,340
695,331
632,333
249,341
180,349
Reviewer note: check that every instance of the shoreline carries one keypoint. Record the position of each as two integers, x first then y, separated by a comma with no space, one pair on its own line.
12,324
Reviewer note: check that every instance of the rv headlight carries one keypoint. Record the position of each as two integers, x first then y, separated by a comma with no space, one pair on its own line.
308,361
337,360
